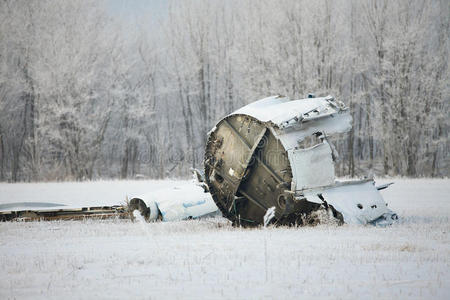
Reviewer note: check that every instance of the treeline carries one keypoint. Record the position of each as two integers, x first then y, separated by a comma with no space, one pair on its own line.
85,95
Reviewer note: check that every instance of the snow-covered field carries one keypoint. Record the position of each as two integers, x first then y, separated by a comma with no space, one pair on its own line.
210,259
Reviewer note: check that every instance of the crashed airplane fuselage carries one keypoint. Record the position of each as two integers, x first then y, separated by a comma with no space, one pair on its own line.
275,153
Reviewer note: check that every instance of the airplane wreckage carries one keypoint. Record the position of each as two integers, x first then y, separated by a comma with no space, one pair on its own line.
268,162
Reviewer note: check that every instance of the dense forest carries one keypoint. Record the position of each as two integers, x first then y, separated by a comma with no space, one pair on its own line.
85,95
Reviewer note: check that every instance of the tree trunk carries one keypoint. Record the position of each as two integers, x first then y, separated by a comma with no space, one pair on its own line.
125,159
2,156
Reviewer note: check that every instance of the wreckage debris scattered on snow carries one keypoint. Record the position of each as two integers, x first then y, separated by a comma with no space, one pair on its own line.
187,201
268,162
44,211
275,153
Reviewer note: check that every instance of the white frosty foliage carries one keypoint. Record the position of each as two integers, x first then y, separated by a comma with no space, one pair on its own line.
87,94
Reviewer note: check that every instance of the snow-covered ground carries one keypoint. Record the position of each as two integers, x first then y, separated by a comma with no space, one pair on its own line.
210,259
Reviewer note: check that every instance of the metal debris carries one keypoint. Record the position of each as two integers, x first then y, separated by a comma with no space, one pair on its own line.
275,153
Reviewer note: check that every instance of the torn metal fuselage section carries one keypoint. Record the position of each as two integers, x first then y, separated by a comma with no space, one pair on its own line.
275,153
181,202
46,211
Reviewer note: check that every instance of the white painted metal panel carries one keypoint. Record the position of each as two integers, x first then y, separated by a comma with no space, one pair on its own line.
339,123
312,167
184,202
359,202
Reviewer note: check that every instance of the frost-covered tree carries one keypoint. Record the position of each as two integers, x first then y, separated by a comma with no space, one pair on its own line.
85,94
